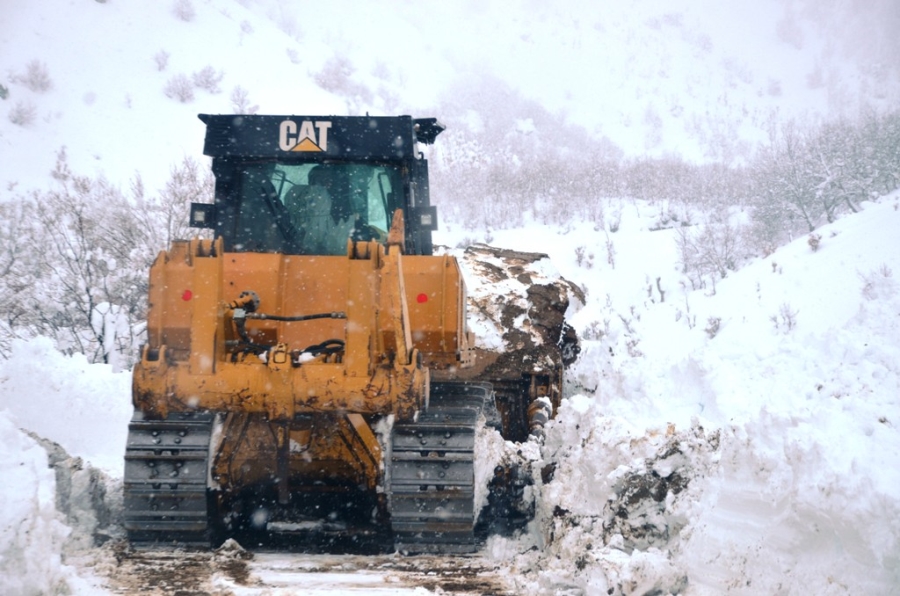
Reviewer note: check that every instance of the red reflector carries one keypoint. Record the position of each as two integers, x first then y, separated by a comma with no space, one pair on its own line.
422,298
187,295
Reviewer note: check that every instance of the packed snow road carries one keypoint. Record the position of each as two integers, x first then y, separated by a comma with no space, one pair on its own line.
233,571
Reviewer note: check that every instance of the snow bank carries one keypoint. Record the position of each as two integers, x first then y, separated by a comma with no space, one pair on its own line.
84,407
806,496
757,457
31,530
611,504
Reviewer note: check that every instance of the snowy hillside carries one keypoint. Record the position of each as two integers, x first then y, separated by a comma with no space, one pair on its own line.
119,84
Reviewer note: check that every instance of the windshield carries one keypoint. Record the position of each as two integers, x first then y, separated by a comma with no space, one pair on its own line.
313,208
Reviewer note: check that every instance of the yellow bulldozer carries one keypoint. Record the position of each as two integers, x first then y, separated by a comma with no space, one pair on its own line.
308,370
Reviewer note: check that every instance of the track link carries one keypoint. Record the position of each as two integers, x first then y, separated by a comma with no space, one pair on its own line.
431,476
166,468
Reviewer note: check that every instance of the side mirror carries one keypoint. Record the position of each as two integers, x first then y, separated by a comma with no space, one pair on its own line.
203,215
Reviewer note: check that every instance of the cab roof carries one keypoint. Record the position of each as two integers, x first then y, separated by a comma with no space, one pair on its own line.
305,138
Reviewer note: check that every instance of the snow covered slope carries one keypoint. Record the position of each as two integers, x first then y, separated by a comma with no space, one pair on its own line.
109,65
741,441
698,79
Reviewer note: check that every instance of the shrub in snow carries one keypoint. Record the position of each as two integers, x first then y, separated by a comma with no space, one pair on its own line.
74,260
161,58
583,258
336,77
650,287
813,240
786,318
4,92
240,101
878,283
36,77
335,74
615,220
610,252
23,113
805,176
595,330
712,326
286,21
711,252
180,87
184,10
208,79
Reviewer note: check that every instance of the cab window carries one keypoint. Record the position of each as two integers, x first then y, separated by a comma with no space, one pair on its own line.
313,208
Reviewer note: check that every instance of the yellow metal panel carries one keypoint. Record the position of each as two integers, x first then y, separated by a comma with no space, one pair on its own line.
169,316
435,292
281,393
362,285
291,286
367,286
206,306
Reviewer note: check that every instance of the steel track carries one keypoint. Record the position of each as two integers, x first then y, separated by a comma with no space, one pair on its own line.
166,467
431,472
430,475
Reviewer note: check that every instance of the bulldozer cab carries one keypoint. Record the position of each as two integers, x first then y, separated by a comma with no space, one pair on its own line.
305,186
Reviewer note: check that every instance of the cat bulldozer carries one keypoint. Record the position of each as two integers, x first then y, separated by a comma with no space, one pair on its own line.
308,370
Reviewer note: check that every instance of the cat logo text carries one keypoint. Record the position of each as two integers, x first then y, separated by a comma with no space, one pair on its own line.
311,136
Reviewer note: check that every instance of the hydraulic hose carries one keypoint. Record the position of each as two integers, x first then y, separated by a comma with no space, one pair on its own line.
326,315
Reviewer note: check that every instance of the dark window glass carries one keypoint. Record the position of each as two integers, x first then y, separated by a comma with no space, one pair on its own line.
313,208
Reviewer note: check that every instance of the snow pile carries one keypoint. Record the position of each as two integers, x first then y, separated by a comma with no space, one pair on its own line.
806,495
83,407
612,501
516,299
489,451
758,456
31,530
46,493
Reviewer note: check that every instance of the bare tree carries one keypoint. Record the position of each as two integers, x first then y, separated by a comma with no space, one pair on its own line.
710,251
75,259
